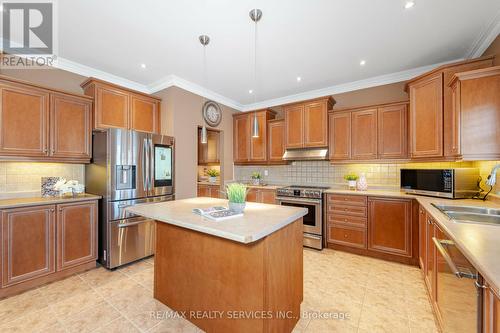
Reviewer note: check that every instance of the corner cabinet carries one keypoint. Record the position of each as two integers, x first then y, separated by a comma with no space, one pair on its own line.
118,107
39,124
434,126
306,123
248,149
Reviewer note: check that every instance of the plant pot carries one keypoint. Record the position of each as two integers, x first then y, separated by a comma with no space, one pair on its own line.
237,207
212,179
255,181
352,184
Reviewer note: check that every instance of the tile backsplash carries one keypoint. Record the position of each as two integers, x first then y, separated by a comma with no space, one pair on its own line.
19,177
323,173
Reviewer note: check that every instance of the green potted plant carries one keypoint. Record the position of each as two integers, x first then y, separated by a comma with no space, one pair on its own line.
236,194
351,180
212,175
256,177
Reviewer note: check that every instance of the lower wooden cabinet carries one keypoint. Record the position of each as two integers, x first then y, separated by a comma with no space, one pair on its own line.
422,237
491,311
380,227
40,244
212,191
267,196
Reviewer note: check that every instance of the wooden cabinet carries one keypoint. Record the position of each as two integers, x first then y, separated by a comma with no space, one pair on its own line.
339,135
491,310
434,126
429,278
45,243
76,234
306,123
24,116
211,191
390,226
422,238
209,153
70,127
346,220
392,132
276,140
119,107
39,124
28,244
476,110
267,196
248,149
364,134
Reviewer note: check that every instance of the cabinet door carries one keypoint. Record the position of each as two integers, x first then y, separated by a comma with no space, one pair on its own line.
252,195
202,150
258,145
340,135
315,124
429,277
392,134
203,191
364,134
214,192
422,237
70,127
28,243
144,114
389,226
76,234
208,153
294,126
276,141
268,196
241,138
112,108
491,311
426,117
24,121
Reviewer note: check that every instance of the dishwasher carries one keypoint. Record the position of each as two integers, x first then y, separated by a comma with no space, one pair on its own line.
458,288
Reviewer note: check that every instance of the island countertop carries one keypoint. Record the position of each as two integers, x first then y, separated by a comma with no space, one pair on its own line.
257,222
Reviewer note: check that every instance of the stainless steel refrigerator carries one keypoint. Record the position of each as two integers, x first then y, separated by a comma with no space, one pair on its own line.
128,167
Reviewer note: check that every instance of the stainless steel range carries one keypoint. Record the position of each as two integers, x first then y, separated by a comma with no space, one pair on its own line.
310,197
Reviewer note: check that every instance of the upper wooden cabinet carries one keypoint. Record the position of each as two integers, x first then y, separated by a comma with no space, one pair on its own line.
276,140
306,123
476,110
248,149
364,134
118,107
371,133
39,124
433,124
209,153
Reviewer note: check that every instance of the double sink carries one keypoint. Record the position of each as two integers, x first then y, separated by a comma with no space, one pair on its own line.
467,214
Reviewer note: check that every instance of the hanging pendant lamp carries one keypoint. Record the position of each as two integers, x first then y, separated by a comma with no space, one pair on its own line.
204,40
255,15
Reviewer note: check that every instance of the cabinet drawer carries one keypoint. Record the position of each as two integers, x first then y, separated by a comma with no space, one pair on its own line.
352,200
348,236
354,221
359,211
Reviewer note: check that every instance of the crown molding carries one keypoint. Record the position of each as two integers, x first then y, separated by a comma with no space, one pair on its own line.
485,38
346,87
173,80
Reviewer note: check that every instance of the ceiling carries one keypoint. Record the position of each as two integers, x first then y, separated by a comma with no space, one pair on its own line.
322,41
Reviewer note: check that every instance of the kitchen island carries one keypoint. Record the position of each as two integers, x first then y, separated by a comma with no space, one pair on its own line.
239,275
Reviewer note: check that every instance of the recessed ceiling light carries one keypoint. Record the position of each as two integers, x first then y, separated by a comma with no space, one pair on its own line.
362,63
409,4
143,65
299,79
250,91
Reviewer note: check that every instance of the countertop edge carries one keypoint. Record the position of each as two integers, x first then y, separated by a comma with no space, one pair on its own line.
27,202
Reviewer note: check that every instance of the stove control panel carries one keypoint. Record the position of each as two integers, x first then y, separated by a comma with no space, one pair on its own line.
301,193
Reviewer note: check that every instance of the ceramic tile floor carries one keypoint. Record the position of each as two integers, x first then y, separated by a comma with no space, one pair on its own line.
374,296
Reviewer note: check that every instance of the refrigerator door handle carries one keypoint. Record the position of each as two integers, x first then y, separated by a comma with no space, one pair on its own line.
151,159
145,165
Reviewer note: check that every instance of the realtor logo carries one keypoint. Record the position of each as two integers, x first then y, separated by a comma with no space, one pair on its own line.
28,28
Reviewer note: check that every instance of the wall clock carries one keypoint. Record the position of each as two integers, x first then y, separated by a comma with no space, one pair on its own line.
212,113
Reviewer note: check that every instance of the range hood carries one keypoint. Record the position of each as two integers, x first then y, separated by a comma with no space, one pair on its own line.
306,154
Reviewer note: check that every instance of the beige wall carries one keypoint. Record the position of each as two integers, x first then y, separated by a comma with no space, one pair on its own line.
494,49
181,116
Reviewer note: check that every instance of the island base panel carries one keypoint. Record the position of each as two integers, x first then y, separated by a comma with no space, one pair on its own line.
226,286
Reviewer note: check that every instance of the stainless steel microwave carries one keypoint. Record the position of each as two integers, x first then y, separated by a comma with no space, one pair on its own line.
445,183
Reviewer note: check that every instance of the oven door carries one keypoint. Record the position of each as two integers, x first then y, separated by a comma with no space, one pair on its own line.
312,221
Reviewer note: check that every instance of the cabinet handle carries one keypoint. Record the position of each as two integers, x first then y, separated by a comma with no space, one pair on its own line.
480,285
345,235
52,210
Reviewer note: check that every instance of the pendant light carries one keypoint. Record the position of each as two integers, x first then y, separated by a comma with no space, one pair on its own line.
204,40
255,15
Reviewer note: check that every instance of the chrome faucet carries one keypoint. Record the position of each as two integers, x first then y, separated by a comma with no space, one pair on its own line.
492,178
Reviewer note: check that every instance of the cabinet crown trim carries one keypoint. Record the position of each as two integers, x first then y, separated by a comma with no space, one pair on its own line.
98,82
474,74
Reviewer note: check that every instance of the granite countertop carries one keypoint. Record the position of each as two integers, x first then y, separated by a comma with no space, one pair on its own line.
258,221
38,201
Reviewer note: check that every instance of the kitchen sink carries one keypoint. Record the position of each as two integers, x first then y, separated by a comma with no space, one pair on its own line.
467,214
